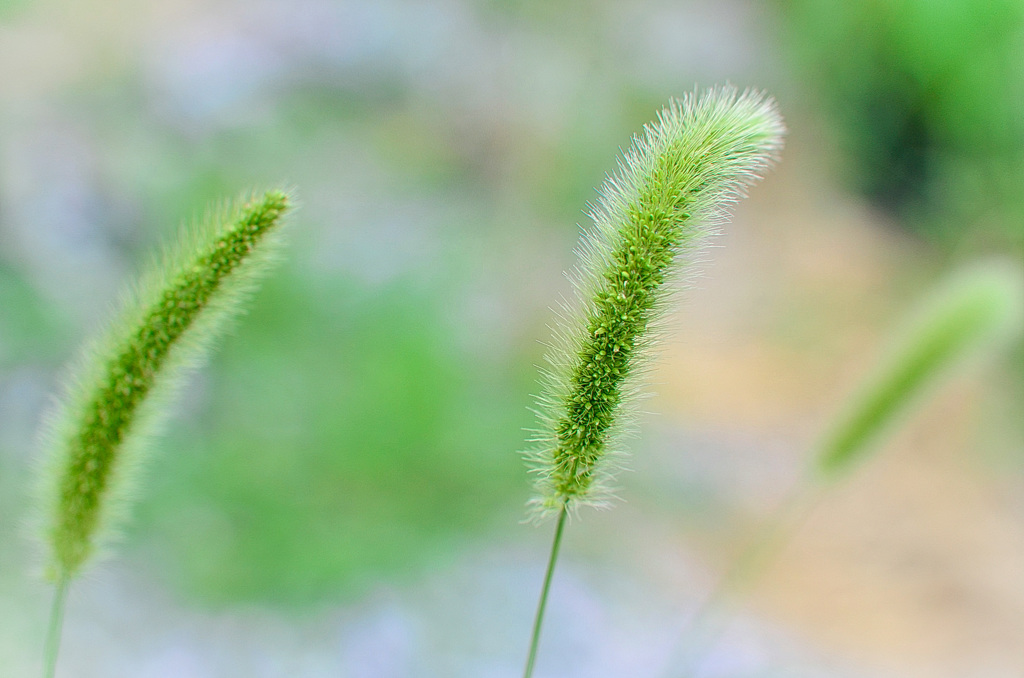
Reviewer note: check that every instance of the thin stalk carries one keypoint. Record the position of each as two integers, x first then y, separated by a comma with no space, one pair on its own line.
968,315
56,624
708,622
539,619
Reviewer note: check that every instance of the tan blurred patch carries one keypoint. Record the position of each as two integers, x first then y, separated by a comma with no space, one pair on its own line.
916,564
916,561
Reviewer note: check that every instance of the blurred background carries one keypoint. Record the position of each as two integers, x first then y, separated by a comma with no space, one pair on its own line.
339,492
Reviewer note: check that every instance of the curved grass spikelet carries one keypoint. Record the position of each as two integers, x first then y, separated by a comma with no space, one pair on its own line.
671,189
968,315
115,398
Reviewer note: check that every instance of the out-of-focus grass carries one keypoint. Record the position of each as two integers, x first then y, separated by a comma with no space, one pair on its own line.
443,154
341,442
345,435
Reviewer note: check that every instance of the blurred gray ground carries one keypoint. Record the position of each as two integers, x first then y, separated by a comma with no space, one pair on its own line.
339,492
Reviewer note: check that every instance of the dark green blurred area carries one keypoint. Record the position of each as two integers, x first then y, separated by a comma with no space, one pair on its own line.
363,421
925,100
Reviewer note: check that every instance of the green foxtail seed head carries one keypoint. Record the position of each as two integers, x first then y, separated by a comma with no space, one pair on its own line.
670,191
969,315
116,395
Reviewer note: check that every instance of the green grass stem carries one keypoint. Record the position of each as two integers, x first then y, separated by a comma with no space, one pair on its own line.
703,628
538,620
120,390
54,628
672,188
969,316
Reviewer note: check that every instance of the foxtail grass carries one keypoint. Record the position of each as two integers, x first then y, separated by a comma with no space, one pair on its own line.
967,318
671,190
120,389
970,314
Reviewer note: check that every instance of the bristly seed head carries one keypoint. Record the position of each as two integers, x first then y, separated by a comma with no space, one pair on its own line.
671,189
165,327
971,315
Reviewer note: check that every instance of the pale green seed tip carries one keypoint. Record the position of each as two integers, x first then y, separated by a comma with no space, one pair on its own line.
118,393
969,316
672,186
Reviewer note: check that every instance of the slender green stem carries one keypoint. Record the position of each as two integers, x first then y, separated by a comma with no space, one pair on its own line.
539,619
706,625
56,624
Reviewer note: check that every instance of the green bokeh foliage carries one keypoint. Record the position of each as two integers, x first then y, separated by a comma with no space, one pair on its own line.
925,98
343,442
